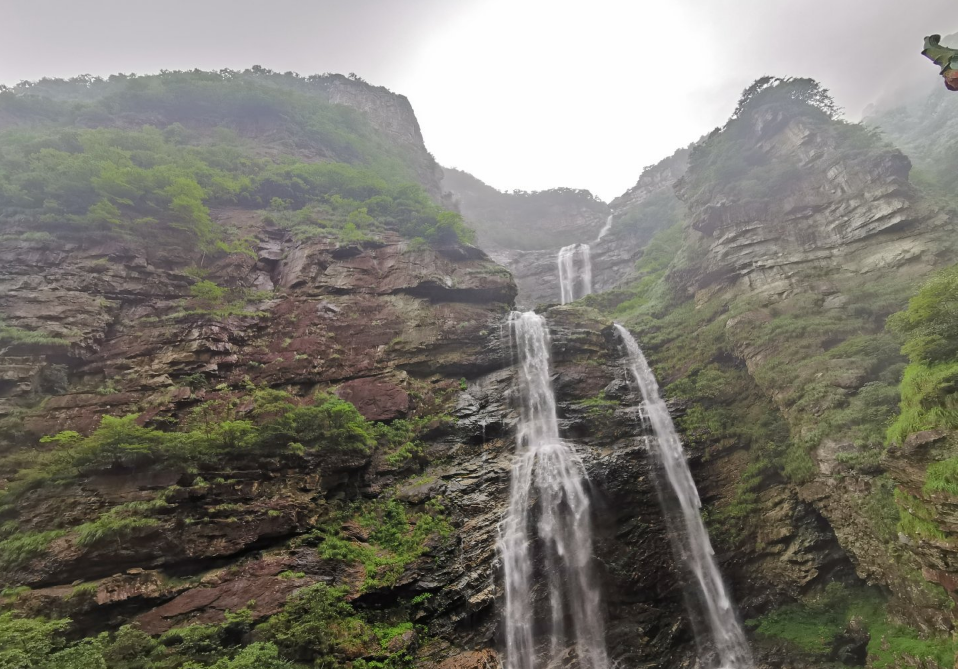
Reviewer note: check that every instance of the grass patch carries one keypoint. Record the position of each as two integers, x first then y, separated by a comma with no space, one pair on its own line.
917,518
396,539
119,523
812,626
19,549
11,336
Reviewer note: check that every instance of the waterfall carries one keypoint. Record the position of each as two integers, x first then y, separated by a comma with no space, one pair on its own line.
605,228
691,540
548,517
575,280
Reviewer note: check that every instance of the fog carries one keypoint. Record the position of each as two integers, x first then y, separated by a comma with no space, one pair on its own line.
529,94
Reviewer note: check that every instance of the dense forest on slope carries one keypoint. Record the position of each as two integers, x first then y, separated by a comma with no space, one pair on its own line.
146,154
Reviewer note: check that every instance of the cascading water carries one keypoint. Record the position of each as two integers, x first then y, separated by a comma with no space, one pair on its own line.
605,228
575,279
691,539
549,517
575,272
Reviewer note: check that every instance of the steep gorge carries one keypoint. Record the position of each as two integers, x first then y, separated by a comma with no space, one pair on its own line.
340,403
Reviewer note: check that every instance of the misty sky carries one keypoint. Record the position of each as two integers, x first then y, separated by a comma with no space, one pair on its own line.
525,94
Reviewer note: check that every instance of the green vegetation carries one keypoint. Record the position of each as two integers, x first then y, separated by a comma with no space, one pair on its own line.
646,293
316,627
396,539
119,523
337,200
421,598
928,329
942,477
657,212
199,142
209,299
599,405
731,161
19,549
813,625
12,336
917,518
215,434
400,439
819,370
600,412
315,621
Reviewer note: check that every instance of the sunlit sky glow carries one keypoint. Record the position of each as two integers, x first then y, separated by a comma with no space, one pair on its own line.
527,94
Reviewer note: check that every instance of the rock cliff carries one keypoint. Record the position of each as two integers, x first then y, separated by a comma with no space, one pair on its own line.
803,234
398,332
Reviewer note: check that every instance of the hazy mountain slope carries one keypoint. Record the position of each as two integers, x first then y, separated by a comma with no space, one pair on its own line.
524,231
527,221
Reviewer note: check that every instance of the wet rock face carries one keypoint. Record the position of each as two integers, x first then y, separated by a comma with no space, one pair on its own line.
839,209
383,325
641,591
133,334
374,320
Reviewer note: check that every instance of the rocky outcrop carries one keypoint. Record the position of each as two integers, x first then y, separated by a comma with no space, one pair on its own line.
133,335
390,328
654,179
834,208
637,215
392,114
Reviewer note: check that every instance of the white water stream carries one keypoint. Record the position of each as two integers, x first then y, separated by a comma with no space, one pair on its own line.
691,538
548,518
575,267
575,272
605,228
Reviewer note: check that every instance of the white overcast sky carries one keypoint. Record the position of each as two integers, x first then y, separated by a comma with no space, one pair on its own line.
527,94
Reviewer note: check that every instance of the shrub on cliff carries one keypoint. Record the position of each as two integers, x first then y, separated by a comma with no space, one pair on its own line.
316,626
14,336
214,435
814,624
314,623
36,643
928,329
